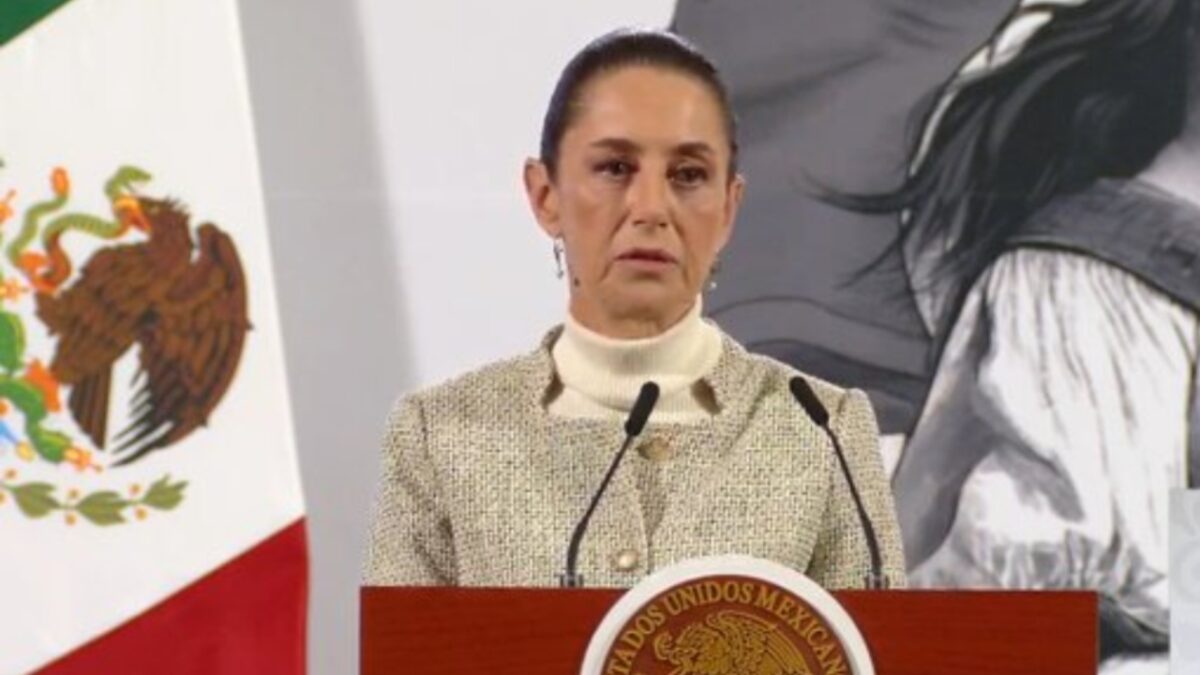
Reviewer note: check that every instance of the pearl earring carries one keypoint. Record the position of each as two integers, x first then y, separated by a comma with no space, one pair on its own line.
712,275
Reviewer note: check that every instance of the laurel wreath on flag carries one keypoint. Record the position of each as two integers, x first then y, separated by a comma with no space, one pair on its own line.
28,388
102,507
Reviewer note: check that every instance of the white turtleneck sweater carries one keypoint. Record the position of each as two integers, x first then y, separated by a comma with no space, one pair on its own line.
601,376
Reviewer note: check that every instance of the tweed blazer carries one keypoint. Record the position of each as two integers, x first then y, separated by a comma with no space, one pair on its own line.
482,486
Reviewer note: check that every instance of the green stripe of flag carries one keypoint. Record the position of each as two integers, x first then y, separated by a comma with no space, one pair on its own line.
17,15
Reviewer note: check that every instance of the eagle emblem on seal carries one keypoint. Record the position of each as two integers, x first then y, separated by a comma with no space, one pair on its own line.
730,642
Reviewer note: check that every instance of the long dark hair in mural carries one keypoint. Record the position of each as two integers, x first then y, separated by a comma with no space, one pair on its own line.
1097,92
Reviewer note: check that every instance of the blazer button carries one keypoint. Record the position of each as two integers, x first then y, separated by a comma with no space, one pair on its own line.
657,450
626,560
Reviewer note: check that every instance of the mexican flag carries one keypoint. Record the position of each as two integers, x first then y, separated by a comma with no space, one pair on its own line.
151,518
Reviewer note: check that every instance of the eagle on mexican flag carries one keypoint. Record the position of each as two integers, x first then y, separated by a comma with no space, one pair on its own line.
151,517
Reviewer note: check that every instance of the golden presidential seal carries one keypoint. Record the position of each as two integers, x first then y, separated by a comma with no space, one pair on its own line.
727,616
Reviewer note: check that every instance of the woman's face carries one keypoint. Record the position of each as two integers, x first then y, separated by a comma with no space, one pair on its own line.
642,198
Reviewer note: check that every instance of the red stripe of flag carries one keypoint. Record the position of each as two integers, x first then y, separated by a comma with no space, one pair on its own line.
247,616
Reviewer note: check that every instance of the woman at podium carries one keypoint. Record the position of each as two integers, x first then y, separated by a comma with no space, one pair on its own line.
485,477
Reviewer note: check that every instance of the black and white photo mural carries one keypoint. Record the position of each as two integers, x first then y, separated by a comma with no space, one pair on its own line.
986,214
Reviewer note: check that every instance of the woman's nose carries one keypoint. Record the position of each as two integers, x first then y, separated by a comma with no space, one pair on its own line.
648,200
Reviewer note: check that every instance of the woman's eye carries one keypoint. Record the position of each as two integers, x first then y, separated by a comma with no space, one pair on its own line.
615,168
689,175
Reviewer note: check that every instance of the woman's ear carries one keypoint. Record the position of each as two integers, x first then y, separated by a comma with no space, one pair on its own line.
542,195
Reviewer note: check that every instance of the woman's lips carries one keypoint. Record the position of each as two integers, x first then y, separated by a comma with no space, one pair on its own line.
647,257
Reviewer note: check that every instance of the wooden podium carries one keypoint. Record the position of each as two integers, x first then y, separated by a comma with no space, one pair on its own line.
456,631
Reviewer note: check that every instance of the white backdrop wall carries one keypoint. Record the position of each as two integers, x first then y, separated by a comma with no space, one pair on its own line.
391,136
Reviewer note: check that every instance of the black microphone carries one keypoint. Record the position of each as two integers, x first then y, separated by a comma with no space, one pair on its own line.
646,398
820,416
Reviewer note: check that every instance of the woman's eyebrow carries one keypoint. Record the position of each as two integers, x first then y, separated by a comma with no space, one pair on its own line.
623,145
697,149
